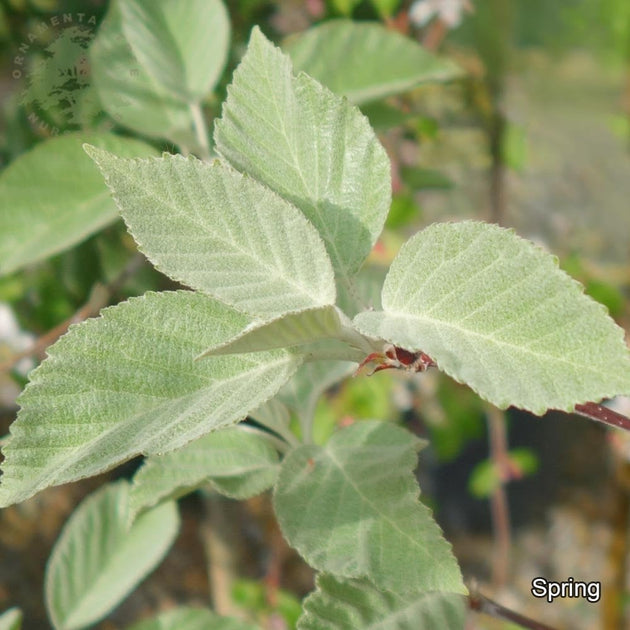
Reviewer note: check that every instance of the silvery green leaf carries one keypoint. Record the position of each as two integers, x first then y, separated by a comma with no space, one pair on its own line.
350,604
365,61
351,508
309,382
496,313
226,454
285,331
98,560
220,232
127,383
310,146
69,203
273,414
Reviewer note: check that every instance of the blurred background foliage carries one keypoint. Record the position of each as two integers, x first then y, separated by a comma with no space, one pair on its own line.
534,135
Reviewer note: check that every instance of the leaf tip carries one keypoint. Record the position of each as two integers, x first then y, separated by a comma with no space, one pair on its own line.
97,155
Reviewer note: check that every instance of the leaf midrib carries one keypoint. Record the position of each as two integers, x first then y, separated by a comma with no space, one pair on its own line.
537,355
198,220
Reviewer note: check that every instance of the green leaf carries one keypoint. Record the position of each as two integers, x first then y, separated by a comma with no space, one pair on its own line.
273,414
128,93
365,291
189,618
220,232
285,331
98,560
425,179
385,8
365,61
346,7
487,475
351,604
228,453
69,202
182,45
383,116
127,383
309,382
11,619
351,509
309,145
496,313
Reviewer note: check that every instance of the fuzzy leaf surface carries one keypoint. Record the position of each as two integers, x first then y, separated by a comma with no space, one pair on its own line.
225,454
182,45
496,313
97,560
350,604
222,233
127,383
189,618
310,381
310,146
366,61
285,331
273,414
69,203
129,93
351,508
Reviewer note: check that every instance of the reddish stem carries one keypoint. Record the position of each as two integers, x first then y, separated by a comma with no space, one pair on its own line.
602,414
498,500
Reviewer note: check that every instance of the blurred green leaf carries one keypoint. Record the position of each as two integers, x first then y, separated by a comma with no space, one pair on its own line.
253,596
403,211
182,45
423,178
458,419
383,116
514,149
385,8
129,94
345,7
98,560
608,294
485,477
69,202
364,61
189,618
11,619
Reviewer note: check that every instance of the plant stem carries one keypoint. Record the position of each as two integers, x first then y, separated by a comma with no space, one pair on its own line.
602,414
481,604
354,338
201,131
498,500
220,540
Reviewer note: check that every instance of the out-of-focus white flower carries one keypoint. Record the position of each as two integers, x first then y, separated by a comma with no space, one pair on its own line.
14,338
449,11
